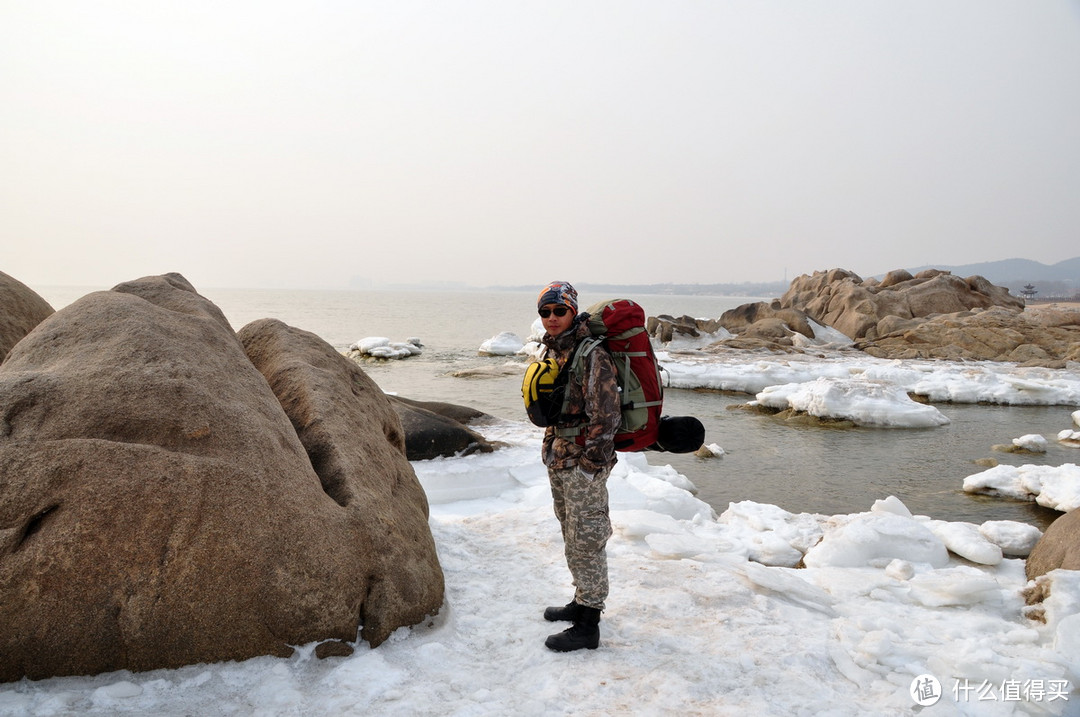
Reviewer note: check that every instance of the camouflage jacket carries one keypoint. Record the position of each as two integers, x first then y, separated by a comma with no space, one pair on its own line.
595,396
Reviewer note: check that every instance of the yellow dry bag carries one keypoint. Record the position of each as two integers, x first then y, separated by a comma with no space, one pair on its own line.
543,391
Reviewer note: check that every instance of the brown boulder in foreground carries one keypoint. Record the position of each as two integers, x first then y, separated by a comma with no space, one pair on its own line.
356,443
157,508
21,309
1059,547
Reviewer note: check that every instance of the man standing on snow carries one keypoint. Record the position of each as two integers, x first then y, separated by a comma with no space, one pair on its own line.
578,463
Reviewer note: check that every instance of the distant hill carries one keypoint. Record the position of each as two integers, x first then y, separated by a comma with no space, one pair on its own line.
1061,279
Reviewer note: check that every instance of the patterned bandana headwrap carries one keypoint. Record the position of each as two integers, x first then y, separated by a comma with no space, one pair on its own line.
558,292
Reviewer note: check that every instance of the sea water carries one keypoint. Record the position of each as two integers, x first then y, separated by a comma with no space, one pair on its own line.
799,468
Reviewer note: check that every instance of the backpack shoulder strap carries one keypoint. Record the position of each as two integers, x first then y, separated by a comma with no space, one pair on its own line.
575,367
583,349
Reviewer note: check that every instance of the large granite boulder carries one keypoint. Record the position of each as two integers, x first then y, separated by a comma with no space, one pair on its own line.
21,309
157,507
1059,547
356,444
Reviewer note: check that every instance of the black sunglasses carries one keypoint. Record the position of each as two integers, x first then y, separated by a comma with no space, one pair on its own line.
558,311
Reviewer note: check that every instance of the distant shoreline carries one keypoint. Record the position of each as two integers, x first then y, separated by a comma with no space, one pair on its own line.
1053,303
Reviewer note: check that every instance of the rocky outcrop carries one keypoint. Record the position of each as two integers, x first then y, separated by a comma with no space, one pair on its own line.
665,327
1059,547
158,507
932,315
765,319
21,309
842,300
434,429
750,326
996,334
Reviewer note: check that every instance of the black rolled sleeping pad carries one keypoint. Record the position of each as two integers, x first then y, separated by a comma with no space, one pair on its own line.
679,434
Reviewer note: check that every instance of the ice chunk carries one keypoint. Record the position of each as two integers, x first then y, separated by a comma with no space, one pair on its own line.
384,348
1031,442
900,570
772,535
1054,487
892,504
865,402
869,538
503,344
962,585
1014,538
966,540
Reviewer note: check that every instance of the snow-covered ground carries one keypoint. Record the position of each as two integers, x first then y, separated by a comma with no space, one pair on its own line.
707,613
705,616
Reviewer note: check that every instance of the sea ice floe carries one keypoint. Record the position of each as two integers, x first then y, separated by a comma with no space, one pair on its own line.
383,348
1032,442
865,402
1056,487
955,382
503,344
1069,437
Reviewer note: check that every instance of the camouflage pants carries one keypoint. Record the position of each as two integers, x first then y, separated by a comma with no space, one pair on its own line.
581,505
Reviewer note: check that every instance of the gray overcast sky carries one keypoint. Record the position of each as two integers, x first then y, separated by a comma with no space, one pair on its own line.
282,143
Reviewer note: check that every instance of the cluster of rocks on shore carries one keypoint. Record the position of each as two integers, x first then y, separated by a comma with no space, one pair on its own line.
931,315
173,491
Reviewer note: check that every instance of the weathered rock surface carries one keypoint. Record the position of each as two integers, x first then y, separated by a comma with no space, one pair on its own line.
931,315
453,411
354,439
766,320
434,429
750,326
665,327
994,334
842,300
1059,547
21,309
157,507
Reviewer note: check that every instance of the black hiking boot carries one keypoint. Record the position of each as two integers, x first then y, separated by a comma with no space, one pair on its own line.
584,633
566,613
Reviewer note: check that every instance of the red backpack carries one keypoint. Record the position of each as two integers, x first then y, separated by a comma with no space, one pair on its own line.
619,324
